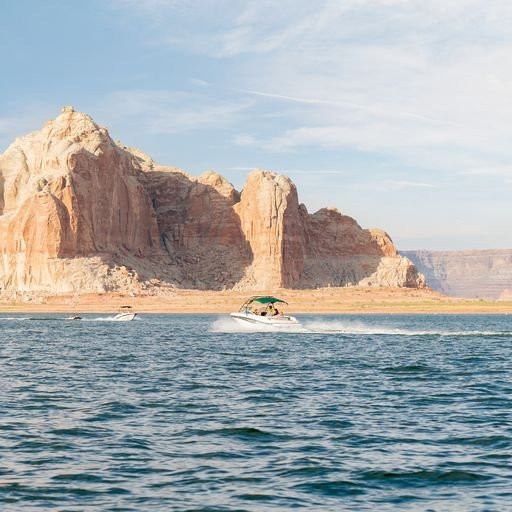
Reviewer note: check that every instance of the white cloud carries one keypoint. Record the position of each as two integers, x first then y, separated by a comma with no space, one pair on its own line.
424,81
199,82
420,89
487,171
168,112
311,171
409,184
388,185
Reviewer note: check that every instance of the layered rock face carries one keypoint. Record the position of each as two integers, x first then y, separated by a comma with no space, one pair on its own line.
199,228
340,253
473,274
271,222
68,191
80,212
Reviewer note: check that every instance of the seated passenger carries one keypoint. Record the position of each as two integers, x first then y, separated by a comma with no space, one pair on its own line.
271,310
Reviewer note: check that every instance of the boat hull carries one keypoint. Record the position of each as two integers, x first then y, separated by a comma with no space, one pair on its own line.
125,317
278,321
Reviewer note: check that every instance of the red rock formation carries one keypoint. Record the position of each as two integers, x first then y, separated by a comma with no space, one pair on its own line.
79,212
199,227
69,191
338,252
271,223
294,249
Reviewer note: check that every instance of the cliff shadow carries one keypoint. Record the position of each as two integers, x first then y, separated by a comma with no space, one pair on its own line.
338,252
339,270
201,234
202,245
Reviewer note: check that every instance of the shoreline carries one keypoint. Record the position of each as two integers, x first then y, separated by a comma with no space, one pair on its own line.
351,300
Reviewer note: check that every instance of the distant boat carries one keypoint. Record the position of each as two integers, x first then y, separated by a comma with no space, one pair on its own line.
125,314
75,306
262,310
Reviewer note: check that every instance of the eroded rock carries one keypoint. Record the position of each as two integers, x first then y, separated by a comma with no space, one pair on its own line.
80,213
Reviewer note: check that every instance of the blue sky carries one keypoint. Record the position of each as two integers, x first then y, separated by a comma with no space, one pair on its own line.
397,112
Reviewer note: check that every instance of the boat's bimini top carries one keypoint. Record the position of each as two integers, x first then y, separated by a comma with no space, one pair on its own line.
260,299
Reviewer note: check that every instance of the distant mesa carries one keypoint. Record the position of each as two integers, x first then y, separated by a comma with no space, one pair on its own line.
482,274
506,295
82,213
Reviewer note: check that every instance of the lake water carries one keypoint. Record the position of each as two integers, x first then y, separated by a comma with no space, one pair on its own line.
189,413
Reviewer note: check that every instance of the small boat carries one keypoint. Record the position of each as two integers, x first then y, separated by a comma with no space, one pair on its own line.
262,310
75,317
125,314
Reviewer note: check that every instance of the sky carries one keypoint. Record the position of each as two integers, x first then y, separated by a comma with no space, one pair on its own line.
397,112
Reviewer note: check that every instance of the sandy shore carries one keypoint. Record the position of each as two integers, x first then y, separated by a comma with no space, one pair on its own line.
324,300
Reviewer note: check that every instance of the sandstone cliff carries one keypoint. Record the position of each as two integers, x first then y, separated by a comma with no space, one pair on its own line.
80,212
271,223
199,229
340,253
68,192
473,274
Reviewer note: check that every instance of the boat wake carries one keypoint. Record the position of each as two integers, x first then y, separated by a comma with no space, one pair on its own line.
228,325
62,319
362,328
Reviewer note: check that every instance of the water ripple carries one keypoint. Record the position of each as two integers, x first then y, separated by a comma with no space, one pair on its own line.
186,413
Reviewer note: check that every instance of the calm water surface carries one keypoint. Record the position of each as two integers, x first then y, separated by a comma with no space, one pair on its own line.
187,413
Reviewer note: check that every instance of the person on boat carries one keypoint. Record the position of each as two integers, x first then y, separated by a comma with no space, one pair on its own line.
271,310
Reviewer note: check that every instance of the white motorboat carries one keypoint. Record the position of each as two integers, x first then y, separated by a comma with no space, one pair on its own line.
262,311
125,314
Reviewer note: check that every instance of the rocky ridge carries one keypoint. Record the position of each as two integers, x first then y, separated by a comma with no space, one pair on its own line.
483,274
80,212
